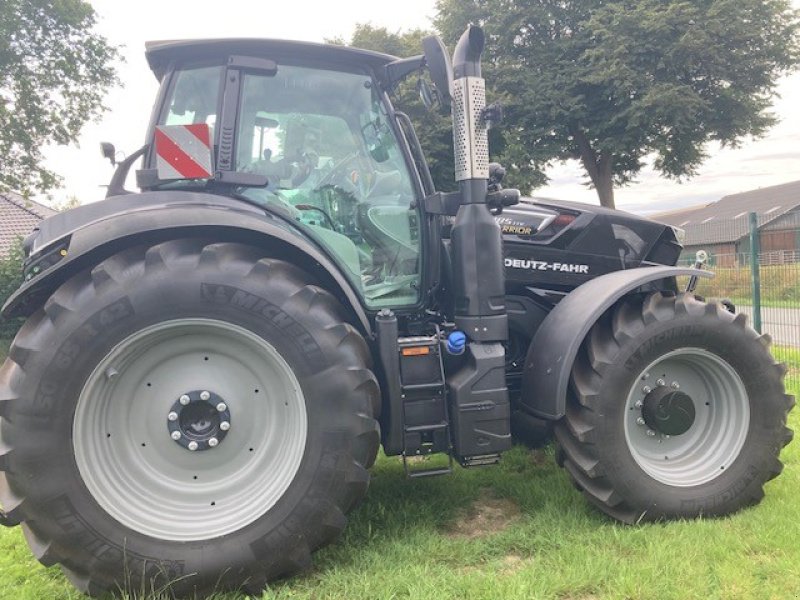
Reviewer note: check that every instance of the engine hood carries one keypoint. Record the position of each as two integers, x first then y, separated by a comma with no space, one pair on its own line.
560,244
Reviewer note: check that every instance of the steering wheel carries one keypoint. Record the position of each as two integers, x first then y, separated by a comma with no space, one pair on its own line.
297,169
302,166
337,174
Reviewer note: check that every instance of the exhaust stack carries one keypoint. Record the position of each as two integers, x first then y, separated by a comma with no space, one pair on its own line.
477,242
480,412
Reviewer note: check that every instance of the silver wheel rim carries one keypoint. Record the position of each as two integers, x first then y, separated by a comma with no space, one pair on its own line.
151,484
720,426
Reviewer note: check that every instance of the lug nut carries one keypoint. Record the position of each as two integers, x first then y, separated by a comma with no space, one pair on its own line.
175,435
213,442
192,446
184,400
645,376
639,404
640,421
647,389
660,382
224,426
675,385
173,416
204,395
222,407
650,432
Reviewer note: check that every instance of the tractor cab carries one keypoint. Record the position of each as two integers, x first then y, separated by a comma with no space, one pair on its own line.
307,133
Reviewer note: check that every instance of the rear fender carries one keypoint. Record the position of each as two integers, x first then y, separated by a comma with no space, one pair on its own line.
96,231
554,347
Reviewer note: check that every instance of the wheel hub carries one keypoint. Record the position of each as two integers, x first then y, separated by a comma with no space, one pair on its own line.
668,411
199,420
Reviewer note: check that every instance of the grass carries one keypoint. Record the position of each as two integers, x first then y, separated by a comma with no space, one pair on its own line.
517,531
791,357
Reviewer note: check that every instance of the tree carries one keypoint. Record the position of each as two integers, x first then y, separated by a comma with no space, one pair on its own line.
54,71
70,202
10,280
613,83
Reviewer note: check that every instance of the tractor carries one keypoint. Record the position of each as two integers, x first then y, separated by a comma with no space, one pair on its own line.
209,366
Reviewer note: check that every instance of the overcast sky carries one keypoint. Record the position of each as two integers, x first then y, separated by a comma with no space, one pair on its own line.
769,161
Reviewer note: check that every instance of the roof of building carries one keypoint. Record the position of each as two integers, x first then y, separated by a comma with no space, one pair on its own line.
18,217
726,220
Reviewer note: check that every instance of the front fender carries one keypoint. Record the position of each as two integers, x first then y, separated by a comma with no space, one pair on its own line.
96,231
554,347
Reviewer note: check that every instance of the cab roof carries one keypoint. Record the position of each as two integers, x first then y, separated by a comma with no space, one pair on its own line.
161,53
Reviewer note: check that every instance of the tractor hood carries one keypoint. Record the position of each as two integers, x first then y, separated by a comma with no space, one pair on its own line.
564,244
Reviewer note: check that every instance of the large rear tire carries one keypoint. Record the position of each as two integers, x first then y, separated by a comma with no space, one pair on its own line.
187,415
676,410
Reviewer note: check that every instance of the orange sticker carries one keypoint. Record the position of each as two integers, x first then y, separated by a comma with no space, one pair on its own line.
417,351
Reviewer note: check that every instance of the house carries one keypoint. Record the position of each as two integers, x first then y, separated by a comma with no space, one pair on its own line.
18,217
722,228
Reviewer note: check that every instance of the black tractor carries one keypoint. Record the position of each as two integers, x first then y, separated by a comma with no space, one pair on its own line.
209,366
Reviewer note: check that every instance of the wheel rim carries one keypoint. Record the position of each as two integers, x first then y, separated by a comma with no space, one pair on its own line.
123,430
711,434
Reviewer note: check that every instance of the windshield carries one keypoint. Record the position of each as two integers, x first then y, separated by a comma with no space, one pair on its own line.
323,140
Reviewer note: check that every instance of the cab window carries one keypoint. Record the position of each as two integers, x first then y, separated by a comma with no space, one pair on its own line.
323,140
194,97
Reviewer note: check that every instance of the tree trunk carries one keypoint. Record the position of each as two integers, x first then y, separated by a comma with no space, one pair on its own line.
599,168
604,183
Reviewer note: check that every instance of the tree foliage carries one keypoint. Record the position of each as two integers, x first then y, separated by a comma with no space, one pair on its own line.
10,280
54,71
613,82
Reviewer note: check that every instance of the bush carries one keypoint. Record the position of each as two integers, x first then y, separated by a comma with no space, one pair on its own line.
10,280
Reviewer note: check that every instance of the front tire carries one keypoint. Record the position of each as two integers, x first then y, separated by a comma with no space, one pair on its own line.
676,410
192,415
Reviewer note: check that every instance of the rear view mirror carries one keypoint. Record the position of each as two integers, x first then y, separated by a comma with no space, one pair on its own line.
109,152
266,122
377,138
426,94
441,69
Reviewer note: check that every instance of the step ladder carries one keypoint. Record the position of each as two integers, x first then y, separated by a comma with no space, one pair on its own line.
426,422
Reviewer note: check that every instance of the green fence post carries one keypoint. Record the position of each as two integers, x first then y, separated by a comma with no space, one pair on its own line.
755,272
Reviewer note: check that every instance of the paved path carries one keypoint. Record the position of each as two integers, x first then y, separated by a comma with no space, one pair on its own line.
783,324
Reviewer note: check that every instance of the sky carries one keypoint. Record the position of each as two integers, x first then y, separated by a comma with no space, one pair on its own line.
769,161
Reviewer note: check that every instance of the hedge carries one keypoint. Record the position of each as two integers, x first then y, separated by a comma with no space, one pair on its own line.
10,279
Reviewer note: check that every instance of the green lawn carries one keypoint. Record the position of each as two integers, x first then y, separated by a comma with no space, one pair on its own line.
517,531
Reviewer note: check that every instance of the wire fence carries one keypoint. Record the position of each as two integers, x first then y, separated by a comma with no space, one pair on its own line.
756,259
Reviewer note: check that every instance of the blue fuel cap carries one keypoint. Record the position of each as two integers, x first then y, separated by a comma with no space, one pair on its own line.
456,342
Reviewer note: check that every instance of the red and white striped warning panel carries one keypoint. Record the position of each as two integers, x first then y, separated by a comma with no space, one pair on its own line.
184,151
